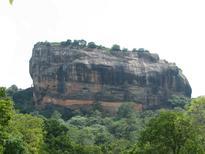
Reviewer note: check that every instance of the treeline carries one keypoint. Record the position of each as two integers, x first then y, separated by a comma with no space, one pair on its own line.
176,131
92,45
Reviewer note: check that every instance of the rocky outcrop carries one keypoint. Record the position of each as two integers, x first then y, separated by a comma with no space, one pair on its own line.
76,76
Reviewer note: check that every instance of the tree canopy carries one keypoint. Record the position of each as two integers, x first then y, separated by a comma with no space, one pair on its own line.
174,131
169,132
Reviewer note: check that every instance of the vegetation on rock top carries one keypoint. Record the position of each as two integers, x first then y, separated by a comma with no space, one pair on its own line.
79,44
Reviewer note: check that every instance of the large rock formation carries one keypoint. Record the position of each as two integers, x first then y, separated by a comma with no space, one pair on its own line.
75,76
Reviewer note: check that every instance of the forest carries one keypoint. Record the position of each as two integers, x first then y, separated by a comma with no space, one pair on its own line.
177,130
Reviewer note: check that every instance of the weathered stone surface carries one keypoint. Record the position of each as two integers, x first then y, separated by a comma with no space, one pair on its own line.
80,76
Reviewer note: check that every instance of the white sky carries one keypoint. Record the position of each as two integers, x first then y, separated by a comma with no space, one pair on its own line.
175,29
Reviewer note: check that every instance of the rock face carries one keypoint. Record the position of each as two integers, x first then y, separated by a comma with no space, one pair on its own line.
74,76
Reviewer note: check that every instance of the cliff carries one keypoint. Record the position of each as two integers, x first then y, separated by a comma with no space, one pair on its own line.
75,76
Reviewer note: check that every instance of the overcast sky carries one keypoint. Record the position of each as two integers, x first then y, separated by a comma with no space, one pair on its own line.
175,29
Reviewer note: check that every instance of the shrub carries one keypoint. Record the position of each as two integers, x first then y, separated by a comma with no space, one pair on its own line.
47,44
115,47
75,43
91,45
125,50
82,43
141,50
134,50
66,43
169,132
178,101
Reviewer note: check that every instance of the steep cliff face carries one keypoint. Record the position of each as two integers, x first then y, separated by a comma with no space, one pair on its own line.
75,77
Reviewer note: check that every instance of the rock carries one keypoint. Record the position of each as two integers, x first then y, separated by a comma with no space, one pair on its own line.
77,77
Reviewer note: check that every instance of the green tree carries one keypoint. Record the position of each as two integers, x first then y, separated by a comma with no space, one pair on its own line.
9,142
86,136
115,47
6,113
75,43
141,50
97,106
66,43
11,90
101,133
125,110
134,50
82,43
125,50
88,149
118,146
29,129
78,121
178,101
15,146
2,92
11,1
196,112
57,139
169,132
56,115
126,128
91,45
23,100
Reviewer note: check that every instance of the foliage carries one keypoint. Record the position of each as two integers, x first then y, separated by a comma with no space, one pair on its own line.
147,115
97,106
117,146
12,90
2,92
169,132
125,110
134,50
115,47
91,45
94,132
56,115
141,50
66,43
11,1
6,113
15,146
196,112
23,99
125,50
78,121
57,139
82,43
29,129
75,43
178,101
